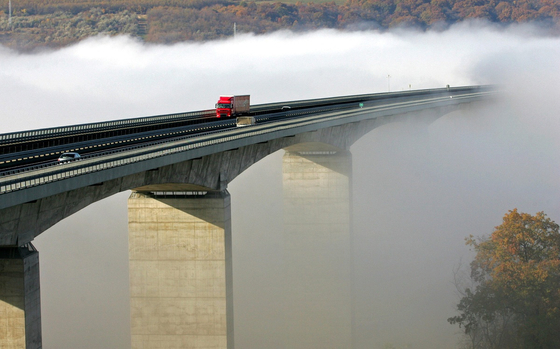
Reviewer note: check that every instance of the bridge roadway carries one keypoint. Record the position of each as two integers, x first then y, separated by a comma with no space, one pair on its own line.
185,153
136,145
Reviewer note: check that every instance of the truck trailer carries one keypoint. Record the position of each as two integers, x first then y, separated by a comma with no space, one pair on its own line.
230,106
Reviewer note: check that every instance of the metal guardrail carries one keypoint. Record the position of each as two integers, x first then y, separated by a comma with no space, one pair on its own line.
142,121
97,126
146,152
372,97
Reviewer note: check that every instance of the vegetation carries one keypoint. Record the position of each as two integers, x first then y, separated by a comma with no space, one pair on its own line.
515,302
60,22
62,28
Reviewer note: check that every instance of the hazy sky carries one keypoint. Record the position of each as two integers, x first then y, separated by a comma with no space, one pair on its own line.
418,191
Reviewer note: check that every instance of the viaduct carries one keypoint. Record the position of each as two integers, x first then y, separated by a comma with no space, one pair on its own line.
178,168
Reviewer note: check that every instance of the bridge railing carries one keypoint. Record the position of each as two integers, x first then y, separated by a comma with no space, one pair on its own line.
138,153
372,97
22,136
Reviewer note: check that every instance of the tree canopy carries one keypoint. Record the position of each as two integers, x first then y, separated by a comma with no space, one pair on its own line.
61,22
515,301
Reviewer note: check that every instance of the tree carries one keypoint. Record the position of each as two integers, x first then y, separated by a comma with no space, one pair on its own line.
515,301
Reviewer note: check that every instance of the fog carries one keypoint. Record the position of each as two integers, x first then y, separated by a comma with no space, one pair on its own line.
418,190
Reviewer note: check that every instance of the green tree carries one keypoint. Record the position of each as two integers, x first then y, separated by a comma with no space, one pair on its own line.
515,301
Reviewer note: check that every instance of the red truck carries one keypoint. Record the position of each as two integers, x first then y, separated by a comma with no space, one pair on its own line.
229,106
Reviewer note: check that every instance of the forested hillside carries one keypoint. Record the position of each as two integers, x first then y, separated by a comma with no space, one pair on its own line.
55,23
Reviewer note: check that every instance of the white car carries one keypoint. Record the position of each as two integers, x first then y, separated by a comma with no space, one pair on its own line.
68,156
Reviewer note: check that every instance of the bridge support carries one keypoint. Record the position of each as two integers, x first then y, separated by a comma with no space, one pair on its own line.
180,270
318,248
20,301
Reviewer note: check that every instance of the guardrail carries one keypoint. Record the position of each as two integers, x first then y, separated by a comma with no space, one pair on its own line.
97,126
163,148
259,108
374,96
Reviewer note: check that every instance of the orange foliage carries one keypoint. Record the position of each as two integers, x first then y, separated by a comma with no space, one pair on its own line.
177,20
517,273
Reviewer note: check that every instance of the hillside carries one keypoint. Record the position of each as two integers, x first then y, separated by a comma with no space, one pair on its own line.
55,23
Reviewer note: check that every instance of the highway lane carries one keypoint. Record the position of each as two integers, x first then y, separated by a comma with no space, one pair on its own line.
41,155
26,160
132,132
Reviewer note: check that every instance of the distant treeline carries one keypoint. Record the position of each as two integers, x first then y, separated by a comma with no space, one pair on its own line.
60,22
44,7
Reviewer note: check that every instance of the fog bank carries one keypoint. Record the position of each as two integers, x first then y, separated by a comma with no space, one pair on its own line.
106,78
418,191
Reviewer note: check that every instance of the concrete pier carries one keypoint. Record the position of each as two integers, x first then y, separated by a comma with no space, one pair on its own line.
318,248
20,301
181,291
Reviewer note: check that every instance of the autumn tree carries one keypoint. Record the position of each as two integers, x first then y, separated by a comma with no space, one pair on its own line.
515,301
55,23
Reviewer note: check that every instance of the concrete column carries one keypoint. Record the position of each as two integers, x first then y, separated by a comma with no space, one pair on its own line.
20,301
318,249
181,293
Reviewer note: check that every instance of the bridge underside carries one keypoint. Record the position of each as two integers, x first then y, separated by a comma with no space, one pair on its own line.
20,224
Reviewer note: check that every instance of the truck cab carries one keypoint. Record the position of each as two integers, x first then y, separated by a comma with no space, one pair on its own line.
224,106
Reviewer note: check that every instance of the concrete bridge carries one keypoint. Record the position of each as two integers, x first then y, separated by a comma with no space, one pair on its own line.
179,214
